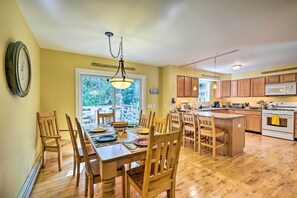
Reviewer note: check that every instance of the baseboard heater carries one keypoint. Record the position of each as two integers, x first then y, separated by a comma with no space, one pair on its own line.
111,66
279,70
30,181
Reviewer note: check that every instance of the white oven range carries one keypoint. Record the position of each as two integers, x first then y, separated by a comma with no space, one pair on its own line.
285,128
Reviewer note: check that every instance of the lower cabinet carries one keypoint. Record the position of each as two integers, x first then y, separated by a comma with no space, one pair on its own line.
253,120
295,135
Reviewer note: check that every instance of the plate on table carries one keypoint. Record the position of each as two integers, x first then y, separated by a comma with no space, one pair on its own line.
98,130
143,131
141,142
106,138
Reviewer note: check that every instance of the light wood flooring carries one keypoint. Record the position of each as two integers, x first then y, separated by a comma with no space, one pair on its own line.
267,168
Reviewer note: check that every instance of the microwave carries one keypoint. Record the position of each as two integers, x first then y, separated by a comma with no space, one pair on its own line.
280,89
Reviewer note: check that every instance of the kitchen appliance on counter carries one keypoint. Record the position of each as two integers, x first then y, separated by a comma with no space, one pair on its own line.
217,104
184,105
280,89
278,120
237,105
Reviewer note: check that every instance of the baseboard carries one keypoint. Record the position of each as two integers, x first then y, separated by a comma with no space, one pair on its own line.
30,181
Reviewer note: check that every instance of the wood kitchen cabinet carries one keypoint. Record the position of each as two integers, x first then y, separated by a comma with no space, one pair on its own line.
226,88
253,120
244,87
258,87
188,86
295,134
195,83
287,78
180,86
272,79
234,88
218,91
185,85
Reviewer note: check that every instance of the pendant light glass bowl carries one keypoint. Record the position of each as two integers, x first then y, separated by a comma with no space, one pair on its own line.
120,83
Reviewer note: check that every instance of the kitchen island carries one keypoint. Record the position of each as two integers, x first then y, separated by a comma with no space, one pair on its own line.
234,125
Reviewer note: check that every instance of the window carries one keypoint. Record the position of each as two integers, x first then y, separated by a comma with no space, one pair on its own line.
96,93
204,90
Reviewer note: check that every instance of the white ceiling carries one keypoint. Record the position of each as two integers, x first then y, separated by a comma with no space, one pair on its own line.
171,32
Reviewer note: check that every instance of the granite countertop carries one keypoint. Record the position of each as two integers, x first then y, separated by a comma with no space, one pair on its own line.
224,108
218,115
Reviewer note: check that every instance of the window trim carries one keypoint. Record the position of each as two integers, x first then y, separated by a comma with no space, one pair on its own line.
79,72
209,90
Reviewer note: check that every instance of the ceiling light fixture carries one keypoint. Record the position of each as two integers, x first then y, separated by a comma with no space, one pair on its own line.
122,82
236,67
215,67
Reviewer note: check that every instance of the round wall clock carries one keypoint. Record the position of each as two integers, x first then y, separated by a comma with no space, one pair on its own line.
18,68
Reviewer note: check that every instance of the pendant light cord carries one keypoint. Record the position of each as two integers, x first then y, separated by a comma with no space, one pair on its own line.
120,48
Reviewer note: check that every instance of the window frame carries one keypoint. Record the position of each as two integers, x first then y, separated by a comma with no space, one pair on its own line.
208,87
78,89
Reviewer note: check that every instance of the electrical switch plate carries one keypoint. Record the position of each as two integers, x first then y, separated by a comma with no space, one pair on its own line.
239,125
150,106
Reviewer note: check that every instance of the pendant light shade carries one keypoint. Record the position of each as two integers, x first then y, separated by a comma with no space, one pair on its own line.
119,82
195,88
214,85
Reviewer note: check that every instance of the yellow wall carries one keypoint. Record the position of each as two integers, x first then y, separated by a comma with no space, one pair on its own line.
58,81
169,85
257,73
19,139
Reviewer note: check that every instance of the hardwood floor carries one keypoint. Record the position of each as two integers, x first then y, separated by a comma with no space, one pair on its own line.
267,168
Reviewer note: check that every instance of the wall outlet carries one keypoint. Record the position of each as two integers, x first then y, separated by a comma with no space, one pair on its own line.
150,106
239,125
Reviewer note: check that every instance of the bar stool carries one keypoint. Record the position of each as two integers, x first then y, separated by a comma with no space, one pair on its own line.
190,131
208,134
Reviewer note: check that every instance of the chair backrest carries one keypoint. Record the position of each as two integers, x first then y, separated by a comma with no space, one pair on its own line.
175,120
145,120
103,118
190,122
72,135
83,147
206,122
160,124
163,164
48,125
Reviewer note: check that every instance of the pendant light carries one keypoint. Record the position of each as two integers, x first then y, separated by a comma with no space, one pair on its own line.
119,82
195,87
215,84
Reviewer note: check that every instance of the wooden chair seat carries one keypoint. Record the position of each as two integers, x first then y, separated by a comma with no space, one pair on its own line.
137,175
207,131
90,151
53,144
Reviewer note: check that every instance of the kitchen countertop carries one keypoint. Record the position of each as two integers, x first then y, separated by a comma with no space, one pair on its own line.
219,115
223,108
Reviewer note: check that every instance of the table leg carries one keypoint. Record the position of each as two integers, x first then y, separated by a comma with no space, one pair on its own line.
108,172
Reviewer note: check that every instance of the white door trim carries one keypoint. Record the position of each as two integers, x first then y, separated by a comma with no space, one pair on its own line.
79,72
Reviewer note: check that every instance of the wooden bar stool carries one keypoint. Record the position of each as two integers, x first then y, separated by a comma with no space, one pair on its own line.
190,131
175,120
208,134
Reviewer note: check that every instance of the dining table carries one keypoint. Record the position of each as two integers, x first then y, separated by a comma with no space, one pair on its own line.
115,153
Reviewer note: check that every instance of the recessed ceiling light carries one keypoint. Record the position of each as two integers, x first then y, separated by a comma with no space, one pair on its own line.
236,67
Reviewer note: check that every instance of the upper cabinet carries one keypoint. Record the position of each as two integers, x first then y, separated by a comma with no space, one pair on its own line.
244,87
218,90
272,79
194,84
287,78
258,87
226,88
234,89
185,86
180,86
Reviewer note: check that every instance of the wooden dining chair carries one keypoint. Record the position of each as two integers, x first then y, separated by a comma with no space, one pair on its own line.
190,131
78,156
51,139
92,168
104,118
159,172
175,120
208,134
145,120
160,124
